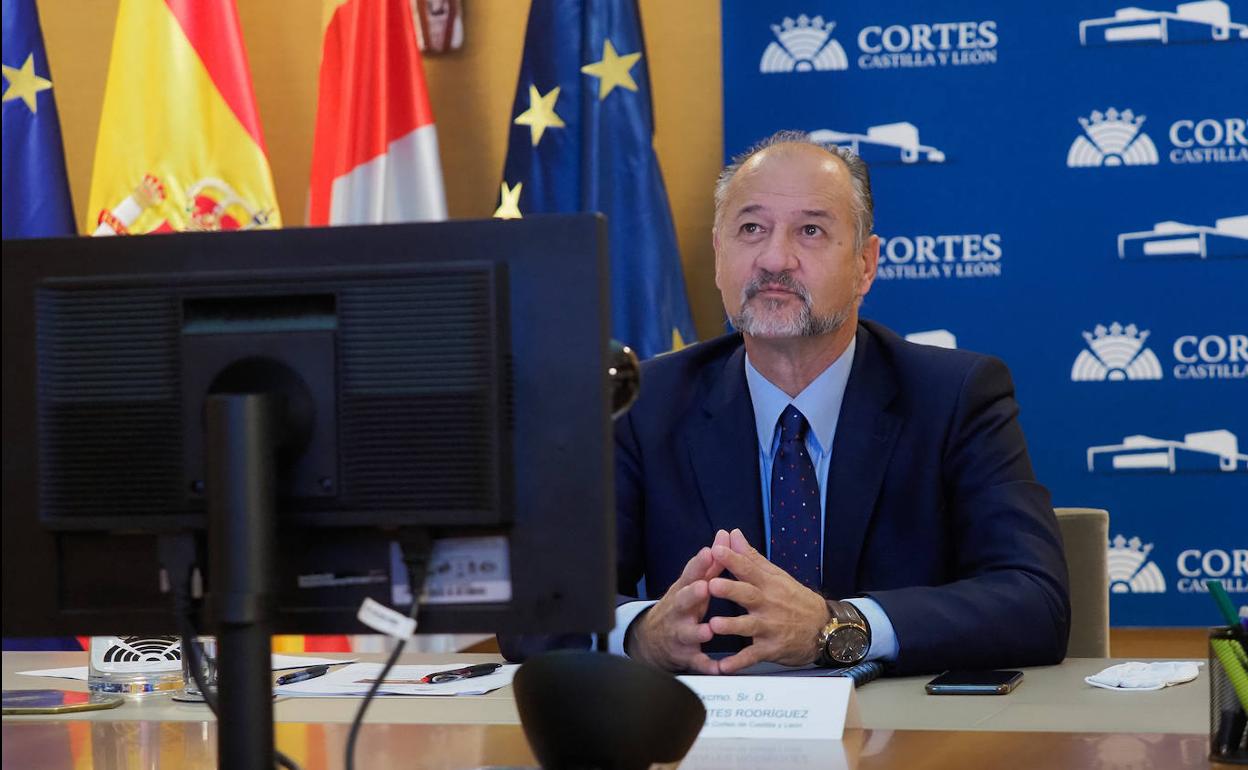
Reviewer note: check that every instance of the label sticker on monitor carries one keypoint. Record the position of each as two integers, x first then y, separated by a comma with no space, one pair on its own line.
384,620
462,570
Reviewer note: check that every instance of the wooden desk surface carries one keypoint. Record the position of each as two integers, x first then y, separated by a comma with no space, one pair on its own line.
120,745
1051,699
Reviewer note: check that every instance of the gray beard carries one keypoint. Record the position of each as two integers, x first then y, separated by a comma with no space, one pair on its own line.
765,322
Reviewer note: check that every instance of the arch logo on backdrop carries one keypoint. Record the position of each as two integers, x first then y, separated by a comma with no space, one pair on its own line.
1131,570
1112,138
1117,138
1117,353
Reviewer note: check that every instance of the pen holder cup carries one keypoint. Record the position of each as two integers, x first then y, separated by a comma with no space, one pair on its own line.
593,710
1228,695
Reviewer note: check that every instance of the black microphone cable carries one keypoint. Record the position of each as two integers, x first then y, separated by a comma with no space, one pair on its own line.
417,548
180,580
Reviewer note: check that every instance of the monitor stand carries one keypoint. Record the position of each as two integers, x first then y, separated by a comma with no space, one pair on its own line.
243,432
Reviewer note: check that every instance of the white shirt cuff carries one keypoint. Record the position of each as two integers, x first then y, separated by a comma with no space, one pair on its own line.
625,614
883,637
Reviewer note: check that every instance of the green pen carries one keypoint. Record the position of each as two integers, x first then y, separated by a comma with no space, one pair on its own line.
1218,592
1228,655
1232,647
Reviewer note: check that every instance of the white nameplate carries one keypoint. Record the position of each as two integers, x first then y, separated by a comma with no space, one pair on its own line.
809,708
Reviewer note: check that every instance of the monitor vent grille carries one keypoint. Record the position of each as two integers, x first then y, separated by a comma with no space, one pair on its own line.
421,396
109,422
420,372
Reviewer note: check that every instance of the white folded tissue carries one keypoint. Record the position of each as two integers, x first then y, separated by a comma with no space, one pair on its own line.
1136,676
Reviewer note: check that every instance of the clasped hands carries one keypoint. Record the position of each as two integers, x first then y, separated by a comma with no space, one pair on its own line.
782,617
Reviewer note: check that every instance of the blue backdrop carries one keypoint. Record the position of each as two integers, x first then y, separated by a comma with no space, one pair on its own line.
1063,185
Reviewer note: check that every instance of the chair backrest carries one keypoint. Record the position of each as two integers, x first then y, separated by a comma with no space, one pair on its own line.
1085,533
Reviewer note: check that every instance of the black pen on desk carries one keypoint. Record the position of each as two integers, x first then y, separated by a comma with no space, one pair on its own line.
455,674
304,675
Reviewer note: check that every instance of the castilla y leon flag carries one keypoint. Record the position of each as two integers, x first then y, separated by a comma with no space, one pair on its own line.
375,156
180,145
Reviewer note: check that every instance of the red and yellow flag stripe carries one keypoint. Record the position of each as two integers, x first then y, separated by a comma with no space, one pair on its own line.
180,144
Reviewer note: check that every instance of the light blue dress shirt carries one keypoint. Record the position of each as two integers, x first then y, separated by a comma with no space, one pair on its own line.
820,403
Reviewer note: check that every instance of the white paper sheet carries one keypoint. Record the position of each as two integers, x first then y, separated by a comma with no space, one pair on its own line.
354,681
280,663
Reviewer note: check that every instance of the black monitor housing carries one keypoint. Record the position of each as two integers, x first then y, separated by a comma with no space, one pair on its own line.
280,407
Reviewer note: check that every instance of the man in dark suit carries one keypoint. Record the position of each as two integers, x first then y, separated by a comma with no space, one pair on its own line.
933,535
814,489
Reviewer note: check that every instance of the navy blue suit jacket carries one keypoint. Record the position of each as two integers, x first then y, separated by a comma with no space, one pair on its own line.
932,506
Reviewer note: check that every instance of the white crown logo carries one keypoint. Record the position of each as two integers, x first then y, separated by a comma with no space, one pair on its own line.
1115,353
1112,138
1128,570
802,46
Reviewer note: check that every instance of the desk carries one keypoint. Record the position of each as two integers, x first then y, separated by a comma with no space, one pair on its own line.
1052,720
118,745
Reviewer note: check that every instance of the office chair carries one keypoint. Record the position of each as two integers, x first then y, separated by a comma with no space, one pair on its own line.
1085,533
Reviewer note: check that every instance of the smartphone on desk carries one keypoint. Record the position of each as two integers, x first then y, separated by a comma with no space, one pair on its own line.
974,683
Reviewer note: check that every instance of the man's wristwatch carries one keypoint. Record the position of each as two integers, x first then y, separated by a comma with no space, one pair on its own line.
846,638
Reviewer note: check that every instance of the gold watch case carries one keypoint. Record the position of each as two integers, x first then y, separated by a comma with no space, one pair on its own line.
845,639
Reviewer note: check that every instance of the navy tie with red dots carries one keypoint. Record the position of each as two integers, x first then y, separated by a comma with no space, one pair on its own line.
795,535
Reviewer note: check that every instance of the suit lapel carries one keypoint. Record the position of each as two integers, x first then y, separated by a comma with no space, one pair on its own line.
865,436
723,449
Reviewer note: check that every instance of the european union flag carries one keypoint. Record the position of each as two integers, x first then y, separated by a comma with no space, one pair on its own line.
36,189
581,140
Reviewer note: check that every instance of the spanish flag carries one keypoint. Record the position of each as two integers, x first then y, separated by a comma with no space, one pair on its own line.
375,156
180,145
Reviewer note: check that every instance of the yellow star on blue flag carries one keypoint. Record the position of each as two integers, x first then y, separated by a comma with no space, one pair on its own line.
612,70
36,188
541,113
24,84
509,202
587,57
678,341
